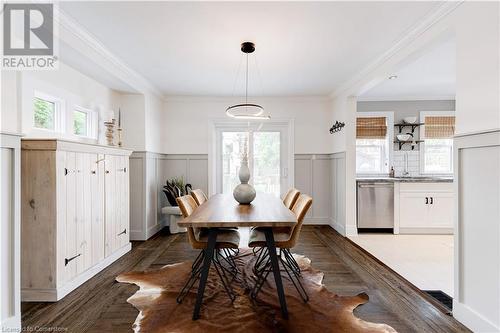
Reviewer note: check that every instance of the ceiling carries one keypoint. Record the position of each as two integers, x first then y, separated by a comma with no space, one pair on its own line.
192,48
431,76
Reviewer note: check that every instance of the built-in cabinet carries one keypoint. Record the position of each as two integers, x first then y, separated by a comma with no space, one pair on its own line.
10,302
424,208
75,214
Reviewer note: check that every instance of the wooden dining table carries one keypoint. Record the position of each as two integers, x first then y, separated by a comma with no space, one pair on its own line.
222,211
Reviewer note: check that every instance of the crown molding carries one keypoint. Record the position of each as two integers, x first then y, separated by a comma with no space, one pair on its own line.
233,99
406,98
77,37
411,35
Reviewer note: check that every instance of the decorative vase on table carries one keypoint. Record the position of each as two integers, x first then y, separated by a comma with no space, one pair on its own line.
244,193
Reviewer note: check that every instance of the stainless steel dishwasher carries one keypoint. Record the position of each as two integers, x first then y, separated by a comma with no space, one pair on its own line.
375,201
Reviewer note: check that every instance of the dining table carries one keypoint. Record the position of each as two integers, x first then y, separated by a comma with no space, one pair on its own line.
266,211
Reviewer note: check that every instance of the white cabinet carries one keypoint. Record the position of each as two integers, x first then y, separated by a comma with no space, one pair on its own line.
424,207
75,218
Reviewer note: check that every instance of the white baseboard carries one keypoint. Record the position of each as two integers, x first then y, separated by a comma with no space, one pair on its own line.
139,235
434,231
53,294
317,220
337,226
473,320
11,324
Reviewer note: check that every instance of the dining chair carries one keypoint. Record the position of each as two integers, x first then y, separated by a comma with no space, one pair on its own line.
291,197
198,239
199,196
285,238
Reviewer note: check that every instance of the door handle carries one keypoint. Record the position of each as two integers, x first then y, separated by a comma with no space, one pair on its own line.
123,232
432,200
67,260
426,200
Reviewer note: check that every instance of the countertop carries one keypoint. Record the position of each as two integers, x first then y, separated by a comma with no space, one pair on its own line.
406,179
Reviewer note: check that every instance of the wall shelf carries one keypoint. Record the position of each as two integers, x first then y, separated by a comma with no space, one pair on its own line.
402,125
401,143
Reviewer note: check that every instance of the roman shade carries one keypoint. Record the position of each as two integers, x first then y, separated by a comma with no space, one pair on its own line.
371,128
439,127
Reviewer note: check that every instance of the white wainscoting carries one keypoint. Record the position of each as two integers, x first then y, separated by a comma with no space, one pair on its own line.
477,230
319,175
148,173
338,192
10,239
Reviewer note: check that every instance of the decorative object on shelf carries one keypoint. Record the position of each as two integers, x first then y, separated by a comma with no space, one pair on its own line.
410,120
244,193
175,188
337,127
110,132
247,110
119,128
404,137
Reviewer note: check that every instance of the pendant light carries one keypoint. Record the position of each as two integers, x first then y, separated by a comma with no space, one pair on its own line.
247,110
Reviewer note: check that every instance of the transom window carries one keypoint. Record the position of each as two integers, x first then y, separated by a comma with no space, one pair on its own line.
48,113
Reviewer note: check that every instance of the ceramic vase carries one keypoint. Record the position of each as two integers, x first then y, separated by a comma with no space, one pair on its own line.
244,193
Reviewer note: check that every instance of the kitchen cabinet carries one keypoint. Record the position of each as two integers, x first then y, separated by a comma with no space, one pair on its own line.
424,208
75,220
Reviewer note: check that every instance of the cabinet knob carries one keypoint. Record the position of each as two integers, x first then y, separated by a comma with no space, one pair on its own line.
107,171
93,172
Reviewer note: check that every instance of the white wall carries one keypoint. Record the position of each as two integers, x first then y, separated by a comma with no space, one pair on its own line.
154,123
10,120
186,120
73,87
133,121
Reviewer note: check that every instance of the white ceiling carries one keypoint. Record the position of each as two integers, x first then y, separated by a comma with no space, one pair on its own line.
193,48
431,77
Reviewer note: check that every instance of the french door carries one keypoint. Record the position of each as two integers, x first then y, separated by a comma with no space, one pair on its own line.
267,149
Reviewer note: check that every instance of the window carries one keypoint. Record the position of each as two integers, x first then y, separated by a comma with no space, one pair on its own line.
84,122
373,137
47,113
80,123
436,151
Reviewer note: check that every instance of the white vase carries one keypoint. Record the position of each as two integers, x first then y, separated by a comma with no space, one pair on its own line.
244,193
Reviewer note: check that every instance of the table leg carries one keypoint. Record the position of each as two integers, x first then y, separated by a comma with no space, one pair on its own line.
276,270
209,253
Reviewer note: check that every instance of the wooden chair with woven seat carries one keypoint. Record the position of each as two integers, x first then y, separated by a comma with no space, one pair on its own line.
285,239
199,196
291,197
198,239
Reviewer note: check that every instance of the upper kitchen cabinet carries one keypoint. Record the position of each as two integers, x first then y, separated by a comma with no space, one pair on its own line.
74,213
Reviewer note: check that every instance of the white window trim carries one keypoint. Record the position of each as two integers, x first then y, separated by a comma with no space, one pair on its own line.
389,115
59,113
421,147
217,125
92,122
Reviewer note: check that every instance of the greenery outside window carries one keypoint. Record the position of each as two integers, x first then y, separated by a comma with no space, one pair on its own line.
80,123
47,113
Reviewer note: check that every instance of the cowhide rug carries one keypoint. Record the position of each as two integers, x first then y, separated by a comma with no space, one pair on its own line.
325,311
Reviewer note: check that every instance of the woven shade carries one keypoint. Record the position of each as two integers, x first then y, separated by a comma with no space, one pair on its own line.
439,127
371,128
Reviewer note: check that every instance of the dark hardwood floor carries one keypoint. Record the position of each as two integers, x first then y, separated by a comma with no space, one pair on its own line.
100,305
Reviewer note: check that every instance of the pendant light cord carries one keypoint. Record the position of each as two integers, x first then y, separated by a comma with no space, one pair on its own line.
246,86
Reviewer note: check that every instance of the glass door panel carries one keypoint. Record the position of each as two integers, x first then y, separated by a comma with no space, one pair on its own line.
266,162
232,148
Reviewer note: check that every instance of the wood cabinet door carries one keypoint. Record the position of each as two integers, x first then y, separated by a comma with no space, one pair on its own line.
70,241
441,210
413,210
97,206
110,204
123,201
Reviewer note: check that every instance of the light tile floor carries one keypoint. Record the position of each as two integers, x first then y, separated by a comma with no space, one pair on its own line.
424,260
